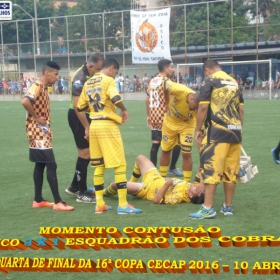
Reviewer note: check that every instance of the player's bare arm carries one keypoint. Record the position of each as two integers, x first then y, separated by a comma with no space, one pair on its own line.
82,117
124,113
28,107
148,111
241,113
161,193
201,115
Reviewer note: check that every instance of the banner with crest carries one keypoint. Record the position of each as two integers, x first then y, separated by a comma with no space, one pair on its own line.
150,36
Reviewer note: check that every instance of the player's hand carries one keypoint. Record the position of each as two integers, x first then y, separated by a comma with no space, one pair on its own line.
198,137
41,121
86,134
124,116
199,189
149,124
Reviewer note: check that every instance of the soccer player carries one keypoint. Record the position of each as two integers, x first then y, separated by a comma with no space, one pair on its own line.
275,154
156,188
179,121
100,97
220,107
79,124
156,108
37,104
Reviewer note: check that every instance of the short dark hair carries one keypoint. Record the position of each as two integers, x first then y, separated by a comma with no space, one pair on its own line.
110,62
211,64
163,63
197,199
94,58
50,65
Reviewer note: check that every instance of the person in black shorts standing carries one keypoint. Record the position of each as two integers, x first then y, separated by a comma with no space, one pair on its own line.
79,124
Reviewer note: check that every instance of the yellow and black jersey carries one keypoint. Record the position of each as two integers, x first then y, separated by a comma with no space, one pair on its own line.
99,96
156,100
177,193
224,97
179,113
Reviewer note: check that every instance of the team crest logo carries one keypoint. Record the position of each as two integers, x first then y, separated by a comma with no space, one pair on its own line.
165,138
146,37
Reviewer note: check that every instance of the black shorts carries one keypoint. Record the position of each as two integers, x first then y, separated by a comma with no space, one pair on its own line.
156,135
78,129
41,155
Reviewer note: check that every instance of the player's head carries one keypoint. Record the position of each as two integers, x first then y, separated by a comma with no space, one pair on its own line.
94,63
50,72
193,101
196,193
210,67
165,67
110,67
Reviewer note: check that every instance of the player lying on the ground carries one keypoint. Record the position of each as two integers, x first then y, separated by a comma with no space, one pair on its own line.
159,189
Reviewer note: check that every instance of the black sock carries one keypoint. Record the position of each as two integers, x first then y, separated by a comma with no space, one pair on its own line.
175,155
52,179
38,177
277,150
74,183
154,152
81,172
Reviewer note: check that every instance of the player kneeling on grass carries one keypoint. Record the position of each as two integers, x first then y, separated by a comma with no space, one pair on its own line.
157,188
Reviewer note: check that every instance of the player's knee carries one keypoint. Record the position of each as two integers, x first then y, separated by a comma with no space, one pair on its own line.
84,153
51,166
140,158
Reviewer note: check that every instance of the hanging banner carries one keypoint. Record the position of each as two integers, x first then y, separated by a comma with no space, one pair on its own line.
150,36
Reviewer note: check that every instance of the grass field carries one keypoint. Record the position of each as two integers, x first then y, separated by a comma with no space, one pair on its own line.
256,203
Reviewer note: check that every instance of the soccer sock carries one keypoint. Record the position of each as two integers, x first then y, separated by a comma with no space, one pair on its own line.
120,179
52,179
81,174
136,174
277,150
38,177
154,152
187,175
98,181
175,156
163,170
74,183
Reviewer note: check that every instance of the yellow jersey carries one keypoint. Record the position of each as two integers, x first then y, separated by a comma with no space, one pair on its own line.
179,114
99,96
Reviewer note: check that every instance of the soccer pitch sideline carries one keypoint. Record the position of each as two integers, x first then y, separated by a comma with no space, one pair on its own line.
205,257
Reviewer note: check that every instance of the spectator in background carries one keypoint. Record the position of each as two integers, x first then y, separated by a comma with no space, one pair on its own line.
121,79
258,83
24,86
198,81
65,85
60,85
145,82
127,84
19,86
248,84
134,83
13,87
5,87
1,87
138,83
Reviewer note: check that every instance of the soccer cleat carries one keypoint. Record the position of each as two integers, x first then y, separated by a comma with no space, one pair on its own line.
86,198
41,204
203,213
176,172
101,209
71,191
274,156
227,210
62,206
129,209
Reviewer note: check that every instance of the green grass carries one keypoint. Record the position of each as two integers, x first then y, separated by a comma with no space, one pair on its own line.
256,203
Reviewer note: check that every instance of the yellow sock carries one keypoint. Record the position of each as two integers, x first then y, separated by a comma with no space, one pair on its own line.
163,170
99,198
120,179
122,197
187,175
135,174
